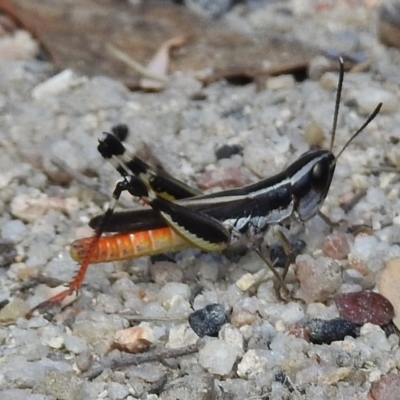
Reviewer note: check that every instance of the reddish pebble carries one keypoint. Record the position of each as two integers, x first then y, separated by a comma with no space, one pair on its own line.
225,178
365,306
298,331
319,278
336,246
387,388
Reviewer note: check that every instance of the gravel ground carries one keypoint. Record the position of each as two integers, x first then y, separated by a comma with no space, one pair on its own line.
44,209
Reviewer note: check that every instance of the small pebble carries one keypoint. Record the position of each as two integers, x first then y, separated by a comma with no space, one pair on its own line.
57,84
363,247
148,372
134,339
208,272
297,330
171,289
365,306
56,342
242,317
280,82
117,391
96,327
388,285
153,310
375,337
62,385
107,304
318,68
313,134
84,360
389,23
18,46
191,387
336,246
386,388
209,8
209,320
327,331
13,230
75,344
287,313
218,357
180,336
225,177
255,361
163,271
17,308
329,80
29,208
178,307
232,336
246,281
8,252
227,151
368,98
318,278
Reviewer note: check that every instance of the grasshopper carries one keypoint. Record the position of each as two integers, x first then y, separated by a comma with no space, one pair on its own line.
177,216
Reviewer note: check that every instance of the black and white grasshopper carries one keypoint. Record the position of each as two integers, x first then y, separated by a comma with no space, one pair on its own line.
178,216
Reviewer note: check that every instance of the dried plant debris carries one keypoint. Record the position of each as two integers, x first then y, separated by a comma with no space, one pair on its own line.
365,306
155,73
158,354
139,31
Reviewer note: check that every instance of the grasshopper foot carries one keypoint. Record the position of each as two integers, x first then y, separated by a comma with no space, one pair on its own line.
61,298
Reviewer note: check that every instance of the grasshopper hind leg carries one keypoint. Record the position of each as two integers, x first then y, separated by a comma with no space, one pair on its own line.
291,254
281,282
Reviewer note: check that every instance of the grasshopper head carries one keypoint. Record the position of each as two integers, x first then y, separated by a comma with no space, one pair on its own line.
311,176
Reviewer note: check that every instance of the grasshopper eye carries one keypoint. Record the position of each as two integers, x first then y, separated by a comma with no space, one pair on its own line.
320,176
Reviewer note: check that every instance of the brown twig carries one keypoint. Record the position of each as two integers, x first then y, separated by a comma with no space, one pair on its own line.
354,200
155,355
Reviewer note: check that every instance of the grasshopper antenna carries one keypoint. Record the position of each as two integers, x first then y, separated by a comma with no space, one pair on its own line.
364,125
337,102
336,113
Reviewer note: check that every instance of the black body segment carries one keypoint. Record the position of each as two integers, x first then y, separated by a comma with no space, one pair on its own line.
160,182
200,229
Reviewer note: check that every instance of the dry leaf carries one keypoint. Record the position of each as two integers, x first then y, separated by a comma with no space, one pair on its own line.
138,31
